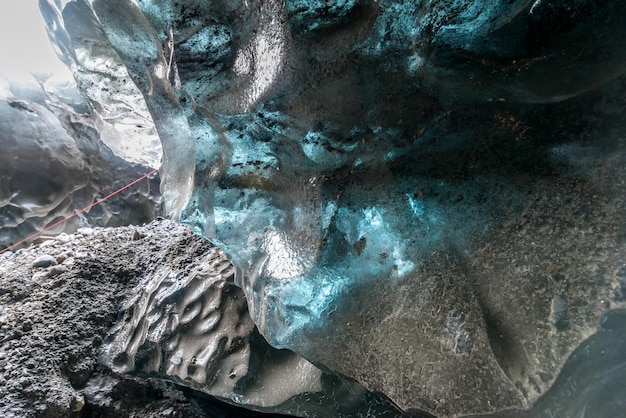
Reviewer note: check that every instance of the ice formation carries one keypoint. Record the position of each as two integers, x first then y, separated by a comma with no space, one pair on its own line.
123,121
188,322
407,197
53,163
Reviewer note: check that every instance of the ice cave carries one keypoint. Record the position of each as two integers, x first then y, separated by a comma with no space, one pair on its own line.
364,208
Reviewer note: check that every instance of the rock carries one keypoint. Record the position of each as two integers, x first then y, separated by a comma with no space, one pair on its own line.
44,261
63,237
136,235
50,341
78,403
64,256
56,270
85,231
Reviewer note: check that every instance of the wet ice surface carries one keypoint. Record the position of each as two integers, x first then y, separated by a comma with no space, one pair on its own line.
53,163
591,382
187,322
61,333
407,197
123,122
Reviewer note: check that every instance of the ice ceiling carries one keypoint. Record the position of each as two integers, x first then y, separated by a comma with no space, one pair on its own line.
408,196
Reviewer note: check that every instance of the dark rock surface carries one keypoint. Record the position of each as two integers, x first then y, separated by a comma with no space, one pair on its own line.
52,323
61,328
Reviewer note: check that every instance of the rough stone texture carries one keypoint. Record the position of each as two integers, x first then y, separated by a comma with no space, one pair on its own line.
53,164
182,320
407,202
53,321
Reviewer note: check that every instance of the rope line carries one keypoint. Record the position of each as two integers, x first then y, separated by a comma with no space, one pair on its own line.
36,234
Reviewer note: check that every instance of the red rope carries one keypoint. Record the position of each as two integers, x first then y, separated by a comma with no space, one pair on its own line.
10,247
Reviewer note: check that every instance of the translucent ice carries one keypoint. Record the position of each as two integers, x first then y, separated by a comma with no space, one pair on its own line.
186,321
117,108
53,163
405,200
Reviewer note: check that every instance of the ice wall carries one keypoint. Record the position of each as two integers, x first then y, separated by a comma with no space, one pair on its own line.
117,109
408,197
53,164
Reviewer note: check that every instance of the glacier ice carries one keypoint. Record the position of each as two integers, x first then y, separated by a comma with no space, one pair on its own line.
123,121
188,322
407,197
53,163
